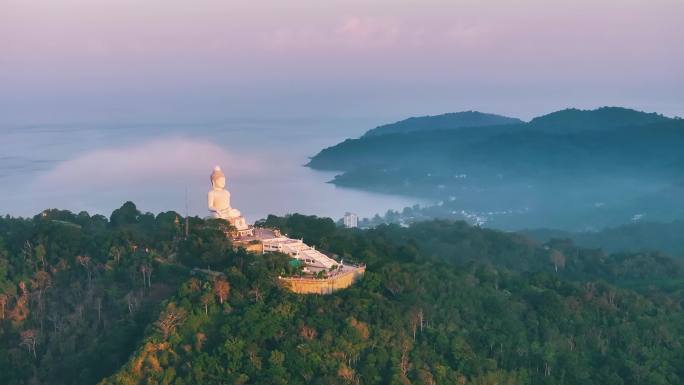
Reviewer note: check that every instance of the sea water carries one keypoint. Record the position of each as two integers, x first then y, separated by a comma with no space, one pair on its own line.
166,166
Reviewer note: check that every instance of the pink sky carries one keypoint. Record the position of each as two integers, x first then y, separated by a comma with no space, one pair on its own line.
104,60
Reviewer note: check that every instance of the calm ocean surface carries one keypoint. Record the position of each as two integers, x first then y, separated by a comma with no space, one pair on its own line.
98,167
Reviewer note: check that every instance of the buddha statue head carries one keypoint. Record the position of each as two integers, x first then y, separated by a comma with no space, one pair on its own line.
218,179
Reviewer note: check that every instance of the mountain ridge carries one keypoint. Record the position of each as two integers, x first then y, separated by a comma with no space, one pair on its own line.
600,118
565,120
447,121
593,161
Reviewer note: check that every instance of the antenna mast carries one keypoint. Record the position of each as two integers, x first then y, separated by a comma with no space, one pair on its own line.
187,218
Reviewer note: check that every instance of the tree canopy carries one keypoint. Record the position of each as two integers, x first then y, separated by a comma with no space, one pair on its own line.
85,301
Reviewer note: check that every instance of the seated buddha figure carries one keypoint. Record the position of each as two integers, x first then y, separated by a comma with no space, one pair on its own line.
219,201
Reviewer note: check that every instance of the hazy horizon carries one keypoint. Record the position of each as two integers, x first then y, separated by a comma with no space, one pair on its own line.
77,61
190,85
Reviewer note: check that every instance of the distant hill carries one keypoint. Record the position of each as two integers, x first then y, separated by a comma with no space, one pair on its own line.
604,118
633,237
443,122
530,148
571,169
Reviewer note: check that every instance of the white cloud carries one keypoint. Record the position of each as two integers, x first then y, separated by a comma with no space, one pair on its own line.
368,31
350,32
157,161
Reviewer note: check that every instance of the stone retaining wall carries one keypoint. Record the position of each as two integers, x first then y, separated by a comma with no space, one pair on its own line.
323,285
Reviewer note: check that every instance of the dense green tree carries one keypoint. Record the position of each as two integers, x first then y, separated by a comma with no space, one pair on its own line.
127,214
89,302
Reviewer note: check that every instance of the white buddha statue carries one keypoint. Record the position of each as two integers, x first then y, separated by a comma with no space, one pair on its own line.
219,201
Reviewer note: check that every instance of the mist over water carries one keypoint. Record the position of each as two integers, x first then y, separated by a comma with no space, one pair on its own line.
98,167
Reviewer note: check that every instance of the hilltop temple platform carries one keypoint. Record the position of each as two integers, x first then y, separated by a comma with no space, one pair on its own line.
322,273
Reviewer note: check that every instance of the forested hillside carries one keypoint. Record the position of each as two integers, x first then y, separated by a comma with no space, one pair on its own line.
436,307
86,297
77,291
639,236
572,169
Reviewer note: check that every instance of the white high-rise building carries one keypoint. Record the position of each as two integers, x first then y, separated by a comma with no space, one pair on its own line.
351,220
